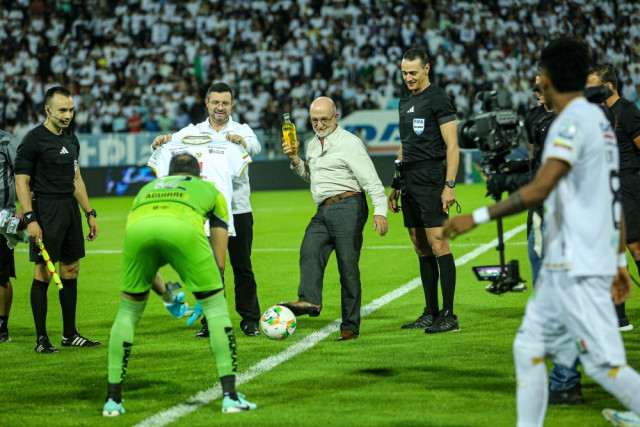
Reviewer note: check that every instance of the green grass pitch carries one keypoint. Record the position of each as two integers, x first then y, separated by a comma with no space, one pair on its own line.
387,377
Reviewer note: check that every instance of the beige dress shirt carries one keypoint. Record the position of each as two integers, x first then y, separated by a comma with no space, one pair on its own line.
342,164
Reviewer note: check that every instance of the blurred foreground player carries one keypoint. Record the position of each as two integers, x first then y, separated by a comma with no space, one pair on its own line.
571,314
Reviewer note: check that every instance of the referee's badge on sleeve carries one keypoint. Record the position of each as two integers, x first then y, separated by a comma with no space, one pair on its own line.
418,126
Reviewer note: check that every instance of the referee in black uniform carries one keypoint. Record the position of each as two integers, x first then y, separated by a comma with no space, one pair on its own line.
49,187
428,164
628,135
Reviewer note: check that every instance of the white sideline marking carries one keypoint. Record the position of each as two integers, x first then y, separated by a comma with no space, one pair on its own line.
207,396
378,247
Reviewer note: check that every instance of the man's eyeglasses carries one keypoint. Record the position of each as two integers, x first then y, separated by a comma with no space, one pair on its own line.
324,120
225,104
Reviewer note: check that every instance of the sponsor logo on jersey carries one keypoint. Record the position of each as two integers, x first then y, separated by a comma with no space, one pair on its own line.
411,110
418,126
64,151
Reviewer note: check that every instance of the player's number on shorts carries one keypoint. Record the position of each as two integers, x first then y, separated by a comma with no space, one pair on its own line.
614,184
162,184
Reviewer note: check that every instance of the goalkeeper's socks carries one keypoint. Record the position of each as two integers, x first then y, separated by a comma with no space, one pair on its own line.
114,392
221,337
228,383
121,338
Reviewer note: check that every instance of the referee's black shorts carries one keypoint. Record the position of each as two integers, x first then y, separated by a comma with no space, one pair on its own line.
630,192
7,262
61,225
421,195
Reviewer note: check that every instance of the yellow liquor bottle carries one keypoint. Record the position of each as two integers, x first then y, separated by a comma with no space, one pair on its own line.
289,131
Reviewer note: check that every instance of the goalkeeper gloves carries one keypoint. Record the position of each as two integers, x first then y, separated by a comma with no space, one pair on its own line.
194,314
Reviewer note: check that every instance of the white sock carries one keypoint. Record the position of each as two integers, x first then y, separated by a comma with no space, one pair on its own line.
532,392
623,382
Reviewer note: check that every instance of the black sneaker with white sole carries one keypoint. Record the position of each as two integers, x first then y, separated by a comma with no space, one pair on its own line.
624,325
446,322
43,345
77,340
203,332
422,322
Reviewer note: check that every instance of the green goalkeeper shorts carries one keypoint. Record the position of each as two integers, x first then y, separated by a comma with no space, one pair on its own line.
153,242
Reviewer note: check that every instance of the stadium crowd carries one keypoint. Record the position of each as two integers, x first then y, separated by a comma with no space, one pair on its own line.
143,65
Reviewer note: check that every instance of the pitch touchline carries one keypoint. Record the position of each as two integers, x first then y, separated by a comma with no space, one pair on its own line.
385,247
207,396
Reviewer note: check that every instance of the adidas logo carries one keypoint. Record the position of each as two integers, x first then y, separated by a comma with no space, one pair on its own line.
410,110
64,151
78,341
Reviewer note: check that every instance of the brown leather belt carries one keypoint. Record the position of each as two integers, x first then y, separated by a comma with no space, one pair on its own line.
337,198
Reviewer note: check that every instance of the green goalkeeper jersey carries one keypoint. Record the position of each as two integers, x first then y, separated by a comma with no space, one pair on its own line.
183,196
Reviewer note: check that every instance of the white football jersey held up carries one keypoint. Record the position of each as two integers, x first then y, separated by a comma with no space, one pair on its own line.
583,212
241,188
220,162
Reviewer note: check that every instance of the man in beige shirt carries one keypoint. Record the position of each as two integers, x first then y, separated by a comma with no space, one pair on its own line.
339,171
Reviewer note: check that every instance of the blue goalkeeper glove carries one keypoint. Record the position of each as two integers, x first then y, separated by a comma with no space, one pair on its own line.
178,307
195,313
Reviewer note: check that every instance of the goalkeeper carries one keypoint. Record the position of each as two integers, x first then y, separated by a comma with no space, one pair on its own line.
166,225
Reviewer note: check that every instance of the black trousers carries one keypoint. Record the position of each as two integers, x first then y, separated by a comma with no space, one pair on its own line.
247,305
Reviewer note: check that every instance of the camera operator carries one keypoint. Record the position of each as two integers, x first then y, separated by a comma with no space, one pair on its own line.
627,117
537,122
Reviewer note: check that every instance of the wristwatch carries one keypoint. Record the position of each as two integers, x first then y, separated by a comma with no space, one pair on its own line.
92,212
450,184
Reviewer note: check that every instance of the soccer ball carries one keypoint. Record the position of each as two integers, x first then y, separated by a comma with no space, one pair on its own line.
278,322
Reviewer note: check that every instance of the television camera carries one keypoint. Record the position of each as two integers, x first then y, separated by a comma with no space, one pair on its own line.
495,131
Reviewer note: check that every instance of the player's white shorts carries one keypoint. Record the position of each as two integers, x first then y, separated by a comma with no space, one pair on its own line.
567,317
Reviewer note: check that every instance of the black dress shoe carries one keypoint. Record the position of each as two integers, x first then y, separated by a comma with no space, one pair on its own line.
572,396
347,335
250,328
303,307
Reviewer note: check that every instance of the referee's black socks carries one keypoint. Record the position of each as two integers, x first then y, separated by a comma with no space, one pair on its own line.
429,275
68,298
447,280
39,306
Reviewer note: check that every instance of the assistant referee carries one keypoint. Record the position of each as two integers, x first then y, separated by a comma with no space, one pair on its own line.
428,160
50,188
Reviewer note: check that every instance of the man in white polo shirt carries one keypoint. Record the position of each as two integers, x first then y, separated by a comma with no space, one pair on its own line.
220,126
